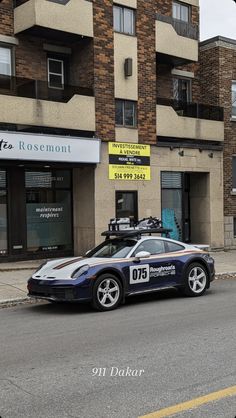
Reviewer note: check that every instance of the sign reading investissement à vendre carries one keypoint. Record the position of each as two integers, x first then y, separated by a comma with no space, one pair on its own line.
129,161
21,146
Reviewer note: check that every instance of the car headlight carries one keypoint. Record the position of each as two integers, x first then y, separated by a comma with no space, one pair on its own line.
81,270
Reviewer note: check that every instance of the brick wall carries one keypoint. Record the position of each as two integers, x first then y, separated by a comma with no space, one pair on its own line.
164,81
30,58
146,71
209,76
6,18
82,64
227,62
217,70
195,15
104,69
164,7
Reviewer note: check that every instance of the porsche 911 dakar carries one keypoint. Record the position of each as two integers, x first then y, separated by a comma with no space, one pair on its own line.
128,262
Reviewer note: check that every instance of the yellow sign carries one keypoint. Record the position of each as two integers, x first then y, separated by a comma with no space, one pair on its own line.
123,148
129,161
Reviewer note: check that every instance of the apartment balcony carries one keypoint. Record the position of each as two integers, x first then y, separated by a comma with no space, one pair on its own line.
192,121
56,19
32,102
176,41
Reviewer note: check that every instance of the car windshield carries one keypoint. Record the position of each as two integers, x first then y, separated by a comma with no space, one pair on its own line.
117,248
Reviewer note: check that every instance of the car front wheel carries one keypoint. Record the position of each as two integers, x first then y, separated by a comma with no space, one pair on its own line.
196,280
107,292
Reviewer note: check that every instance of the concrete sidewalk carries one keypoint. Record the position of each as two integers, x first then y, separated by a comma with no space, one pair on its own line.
13,280
13,276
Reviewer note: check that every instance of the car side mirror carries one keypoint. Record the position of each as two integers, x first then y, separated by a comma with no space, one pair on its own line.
142,254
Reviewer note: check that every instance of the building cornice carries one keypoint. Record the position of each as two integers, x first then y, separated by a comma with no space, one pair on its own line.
218,42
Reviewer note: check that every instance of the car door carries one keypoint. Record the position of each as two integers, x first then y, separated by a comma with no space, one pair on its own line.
150,272
176,254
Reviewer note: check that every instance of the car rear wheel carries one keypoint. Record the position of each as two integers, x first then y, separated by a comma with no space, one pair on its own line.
107,292
196,280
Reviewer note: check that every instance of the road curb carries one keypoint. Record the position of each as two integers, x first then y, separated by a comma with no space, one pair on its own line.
224,276
4,303
2,270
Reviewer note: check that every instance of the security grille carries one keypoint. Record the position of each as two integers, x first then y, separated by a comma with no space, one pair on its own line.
171,180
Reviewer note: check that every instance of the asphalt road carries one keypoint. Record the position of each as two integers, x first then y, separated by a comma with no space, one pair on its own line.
186,347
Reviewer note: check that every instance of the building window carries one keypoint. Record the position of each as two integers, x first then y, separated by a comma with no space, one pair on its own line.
56,73
234,98
124,20
182,90
126,113
5,61
181,12
127,204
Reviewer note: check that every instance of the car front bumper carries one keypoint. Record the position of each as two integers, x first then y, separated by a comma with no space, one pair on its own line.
60,293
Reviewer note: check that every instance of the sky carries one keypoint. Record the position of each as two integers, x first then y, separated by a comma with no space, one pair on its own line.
218,17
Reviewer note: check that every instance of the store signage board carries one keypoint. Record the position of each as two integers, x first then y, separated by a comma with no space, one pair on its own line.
129,161
33,147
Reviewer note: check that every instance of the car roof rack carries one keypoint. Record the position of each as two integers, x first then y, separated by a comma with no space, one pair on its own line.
136,232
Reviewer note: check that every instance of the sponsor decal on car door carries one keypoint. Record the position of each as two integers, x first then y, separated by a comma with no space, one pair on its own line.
139,274
162,272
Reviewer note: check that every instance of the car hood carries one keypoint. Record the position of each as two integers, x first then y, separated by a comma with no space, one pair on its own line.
62,269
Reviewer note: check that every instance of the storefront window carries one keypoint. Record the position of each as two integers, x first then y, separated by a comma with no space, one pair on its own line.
48,210
171,196
126,205
3,213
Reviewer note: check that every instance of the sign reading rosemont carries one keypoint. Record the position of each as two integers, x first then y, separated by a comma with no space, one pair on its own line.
19,146
129,161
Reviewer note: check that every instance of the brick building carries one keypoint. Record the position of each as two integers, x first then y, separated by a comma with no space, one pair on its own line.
218,86
76,75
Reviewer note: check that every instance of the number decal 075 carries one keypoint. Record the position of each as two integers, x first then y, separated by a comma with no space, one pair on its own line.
139,274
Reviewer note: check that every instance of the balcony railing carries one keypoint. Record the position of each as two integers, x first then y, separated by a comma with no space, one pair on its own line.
187,30
17,3
193,110
40,90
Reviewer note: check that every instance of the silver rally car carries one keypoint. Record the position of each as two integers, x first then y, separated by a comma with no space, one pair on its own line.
126,263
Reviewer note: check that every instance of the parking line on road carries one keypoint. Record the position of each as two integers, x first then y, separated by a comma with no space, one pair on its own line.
194,403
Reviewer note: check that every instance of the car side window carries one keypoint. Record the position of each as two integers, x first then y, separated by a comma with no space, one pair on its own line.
152,246
172,247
